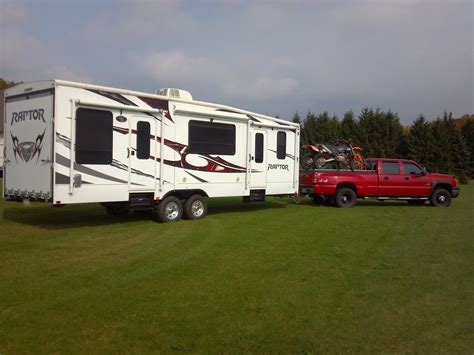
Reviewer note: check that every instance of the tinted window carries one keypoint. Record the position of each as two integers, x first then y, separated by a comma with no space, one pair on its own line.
281,145
410,168
211,138
391,167
259,148
93,136
371,164
143,140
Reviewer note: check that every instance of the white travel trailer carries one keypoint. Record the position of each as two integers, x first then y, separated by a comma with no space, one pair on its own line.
69,142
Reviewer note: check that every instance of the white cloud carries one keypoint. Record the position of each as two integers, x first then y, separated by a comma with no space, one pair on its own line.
277,56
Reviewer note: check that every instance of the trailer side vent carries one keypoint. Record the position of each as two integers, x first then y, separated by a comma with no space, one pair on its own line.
176,93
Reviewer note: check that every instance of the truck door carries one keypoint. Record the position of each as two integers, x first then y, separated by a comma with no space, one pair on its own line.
415,183
142,153
28,145
258,158
390,179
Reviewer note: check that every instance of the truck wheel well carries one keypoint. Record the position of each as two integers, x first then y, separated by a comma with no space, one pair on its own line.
442,185
185,194
348,185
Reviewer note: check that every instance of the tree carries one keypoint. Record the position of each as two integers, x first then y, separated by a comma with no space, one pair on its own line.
468,134
349,127
296,118
5,84
420,142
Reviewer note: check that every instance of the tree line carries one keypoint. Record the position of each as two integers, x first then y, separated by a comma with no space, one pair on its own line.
441,145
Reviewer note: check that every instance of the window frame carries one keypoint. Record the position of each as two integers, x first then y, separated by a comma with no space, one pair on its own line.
83,132
390,162
260,144
281,155
146,136
411,163
212,145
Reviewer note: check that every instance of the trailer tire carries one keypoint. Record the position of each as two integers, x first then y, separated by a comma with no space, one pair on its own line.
195,207
345,197
169,210
441,198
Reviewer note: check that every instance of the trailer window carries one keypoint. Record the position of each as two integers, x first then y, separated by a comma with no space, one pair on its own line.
281,145
259,147
143,140
211,138
391,167
93,136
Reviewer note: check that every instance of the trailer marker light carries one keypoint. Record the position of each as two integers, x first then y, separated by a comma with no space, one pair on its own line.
57,203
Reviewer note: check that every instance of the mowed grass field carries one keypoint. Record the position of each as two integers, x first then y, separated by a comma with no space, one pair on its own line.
275,277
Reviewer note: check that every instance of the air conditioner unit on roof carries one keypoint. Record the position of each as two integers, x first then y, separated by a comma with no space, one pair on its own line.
176,93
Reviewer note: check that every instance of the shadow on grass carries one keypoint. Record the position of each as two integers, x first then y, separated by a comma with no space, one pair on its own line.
217,206
371,203
90,215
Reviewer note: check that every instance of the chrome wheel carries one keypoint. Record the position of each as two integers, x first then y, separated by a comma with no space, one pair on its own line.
197,208
172,210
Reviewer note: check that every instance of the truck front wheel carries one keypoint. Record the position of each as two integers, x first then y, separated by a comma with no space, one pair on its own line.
345,197
441,198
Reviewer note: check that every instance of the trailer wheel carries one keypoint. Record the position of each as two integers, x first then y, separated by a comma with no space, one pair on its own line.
117,209
195,207
345,197
169,210
441,198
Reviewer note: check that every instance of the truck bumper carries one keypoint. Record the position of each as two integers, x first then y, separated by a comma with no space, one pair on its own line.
318,190
455,192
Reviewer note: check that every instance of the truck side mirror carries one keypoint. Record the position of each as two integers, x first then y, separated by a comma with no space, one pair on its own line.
424,172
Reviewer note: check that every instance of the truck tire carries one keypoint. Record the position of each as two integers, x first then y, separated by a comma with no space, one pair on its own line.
345,197
195,207
169,210
441,198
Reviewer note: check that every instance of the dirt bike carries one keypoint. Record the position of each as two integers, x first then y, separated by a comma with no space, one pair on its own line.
342,154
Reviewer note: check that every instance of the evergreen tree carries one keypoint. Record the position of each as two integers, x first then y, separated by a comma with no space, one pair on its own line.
350,127
460,154
468,134
308,135
420,142
296,118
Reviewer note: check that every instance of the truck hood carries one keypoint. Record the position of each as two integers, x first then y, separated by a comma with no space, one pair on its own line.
443,177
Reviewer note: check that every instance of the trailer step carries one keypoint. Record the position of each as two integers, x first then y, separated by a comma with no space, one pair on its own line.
142,202
255,196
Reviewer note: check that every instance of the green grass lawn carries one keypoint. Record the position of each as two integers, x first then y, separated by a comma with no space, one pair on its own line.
273,277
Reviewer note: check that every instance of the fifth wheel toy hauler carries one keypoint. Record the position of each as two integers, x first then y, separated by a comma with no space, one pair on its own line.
68,142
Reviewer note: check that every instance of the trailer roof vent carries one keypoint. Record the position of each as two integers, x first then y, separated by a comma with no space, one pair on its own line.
177,93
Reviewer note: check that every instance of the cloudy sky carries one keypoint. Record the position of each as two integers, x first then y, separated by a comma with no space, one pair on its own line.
273,57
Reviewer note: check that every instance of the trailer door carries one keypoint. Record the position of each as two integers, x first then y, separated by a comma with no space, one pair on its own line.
28,145
143,151
258,159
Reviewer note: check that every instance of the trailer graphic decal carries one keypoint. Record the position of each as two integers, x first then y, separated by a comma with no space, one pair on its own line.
159,105
113,96
27,150
214,164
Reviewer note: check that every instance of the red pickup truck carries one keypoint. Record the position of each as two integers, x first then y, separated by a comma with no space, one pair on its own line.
385,179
